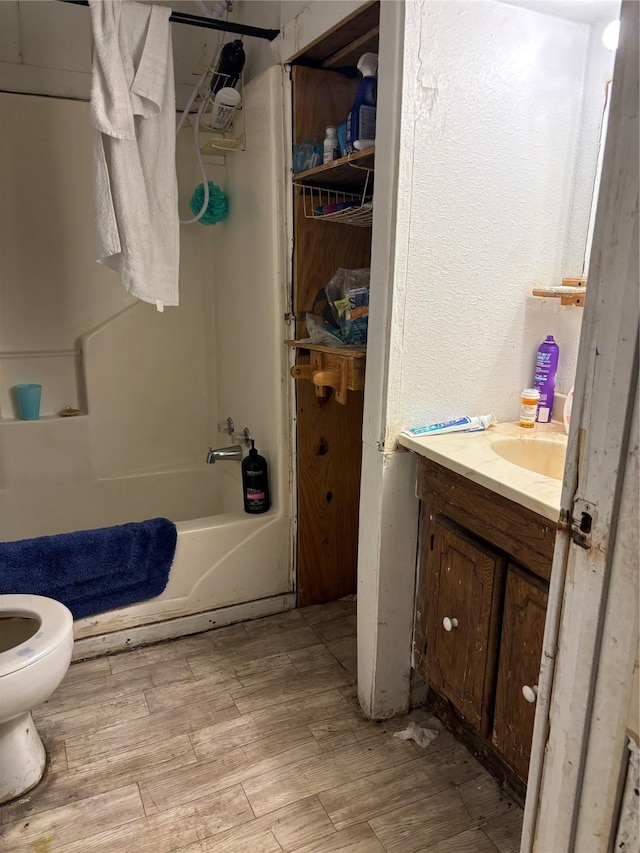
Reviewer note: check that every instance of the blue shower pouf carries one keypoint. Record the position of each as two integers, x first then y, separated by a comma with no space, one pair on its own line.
217,208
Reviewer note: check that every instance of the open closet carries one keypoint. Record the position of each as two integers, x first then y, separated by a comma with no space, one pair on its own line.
330,381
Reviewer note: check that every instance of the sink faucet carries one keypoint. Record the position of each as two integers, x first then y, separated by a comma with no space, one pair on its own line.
221,453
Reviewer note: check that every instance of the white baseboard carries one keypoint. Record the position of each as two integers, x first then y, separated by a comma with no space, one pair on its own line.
182,626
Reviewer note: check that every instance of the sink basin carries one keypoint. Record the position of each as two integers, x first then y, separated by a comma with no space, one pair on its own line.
524,466
542,455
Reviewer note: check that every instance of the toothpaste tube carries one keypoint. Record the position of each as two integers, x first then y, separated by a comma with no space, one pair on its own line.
473,424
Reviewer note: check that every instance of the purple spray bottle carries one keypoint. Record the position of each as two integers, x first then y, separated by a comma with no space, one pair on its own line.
545,381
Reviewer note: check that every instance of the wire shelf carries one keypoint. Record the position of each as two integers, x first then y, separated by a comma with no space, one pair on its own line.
347,204
336,206
350,173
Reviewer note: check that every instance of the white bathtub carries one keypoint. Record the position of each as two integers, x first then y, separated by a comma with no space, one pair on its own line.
227,568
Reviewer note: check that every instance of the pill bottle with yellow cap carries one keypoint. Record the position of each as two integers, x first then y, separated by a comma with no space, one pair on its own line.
528,406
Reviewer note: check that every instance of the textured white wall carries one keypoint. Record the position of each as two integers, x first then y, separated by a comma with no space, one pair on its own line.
491,116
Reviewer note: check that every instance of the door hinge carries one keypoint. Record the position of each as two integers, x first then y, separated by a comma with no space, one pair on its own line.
581,523
289,318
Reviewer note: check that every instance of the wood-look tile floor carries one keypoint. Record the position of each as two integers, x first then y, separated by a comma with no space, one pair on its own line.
247,739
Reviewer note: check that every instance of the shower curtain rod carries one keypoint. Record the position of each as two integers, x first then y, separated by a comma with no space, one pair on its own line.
208,23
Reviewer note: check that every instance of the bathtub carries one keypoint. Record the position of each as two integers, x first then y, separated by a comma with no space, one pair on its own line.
227,568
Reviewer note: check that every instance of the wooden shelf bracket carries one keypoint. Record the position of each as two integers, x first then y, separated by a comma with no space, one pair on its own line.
342,370
572,291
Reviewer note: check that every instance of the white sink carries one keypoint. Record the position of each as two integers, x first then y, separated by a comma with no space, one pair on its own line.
523,465
544,456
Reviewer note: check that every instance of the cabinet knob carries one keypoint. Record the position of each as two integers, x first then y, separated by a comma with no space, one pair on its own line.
530,693
449,624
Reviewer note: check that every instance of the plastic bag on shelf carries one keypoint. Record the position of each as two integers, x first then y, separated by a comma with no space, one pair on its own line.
348,294
320,332
307,155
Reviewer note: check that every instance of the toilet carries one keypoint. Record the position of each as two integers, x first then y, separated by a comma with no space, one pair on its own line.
36,641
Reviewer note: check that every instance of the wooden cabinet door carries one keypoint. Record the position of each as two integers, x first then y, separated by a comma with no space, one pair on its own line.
462,614
525,610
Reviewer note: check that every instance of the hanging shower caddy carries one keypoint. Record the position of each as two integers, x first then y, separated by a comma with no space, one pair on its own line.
233,137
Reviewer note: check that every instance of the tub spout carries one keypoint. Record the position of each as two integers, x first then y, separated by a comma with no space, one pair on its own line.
221,453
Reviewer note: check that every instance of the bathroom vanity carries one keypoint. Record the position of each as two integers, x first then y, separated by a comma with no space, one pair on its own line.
488,527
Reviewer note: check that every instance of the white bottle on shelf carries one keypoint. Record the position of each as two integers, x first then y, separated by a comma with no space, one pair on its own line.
330,145
225,104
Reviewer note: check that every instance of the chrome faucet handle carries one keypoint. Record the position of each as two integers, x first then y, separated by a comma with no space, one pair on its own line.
226,426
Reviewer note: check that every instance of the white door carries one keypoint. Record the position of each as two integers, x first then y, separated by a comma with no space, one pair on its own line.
591,638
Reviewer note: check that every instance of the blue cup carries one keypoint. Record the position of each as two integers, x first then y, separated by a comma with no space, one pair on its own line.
29,401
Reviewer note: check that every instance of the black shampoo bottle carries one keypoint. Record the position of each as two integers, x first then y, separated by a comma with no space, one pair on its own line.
255,482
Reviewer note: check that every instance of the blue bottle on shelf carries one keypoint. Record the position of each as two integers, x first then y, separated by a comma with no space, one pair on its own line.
361,121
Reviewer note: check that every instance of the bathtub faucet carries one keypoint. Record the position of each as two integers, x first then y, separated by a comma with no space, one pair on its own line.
221,453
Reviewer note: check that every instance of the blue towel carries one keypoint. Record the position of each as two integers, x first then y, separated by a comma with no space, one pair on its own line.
92,570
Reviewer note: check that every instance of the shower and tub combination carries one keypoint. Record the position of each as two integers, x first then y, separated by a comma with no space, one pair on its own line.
131,396
149,389
227,568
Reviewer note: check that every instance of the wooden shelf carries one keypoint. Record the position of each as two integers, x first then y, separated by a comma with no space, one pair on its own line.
345,44
572,292
564,297
347,173
353,352
340,368
351,53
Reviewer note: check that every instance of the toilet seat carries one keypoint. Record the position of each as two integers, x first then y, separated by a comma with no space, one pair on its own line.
56,623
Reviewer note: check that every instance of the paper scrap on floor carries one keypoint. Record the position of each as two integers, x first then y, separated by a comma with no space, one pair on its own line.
423,737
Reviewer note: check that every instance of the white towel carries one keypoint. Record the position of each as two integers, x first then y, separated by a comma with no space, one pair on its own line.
133,116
